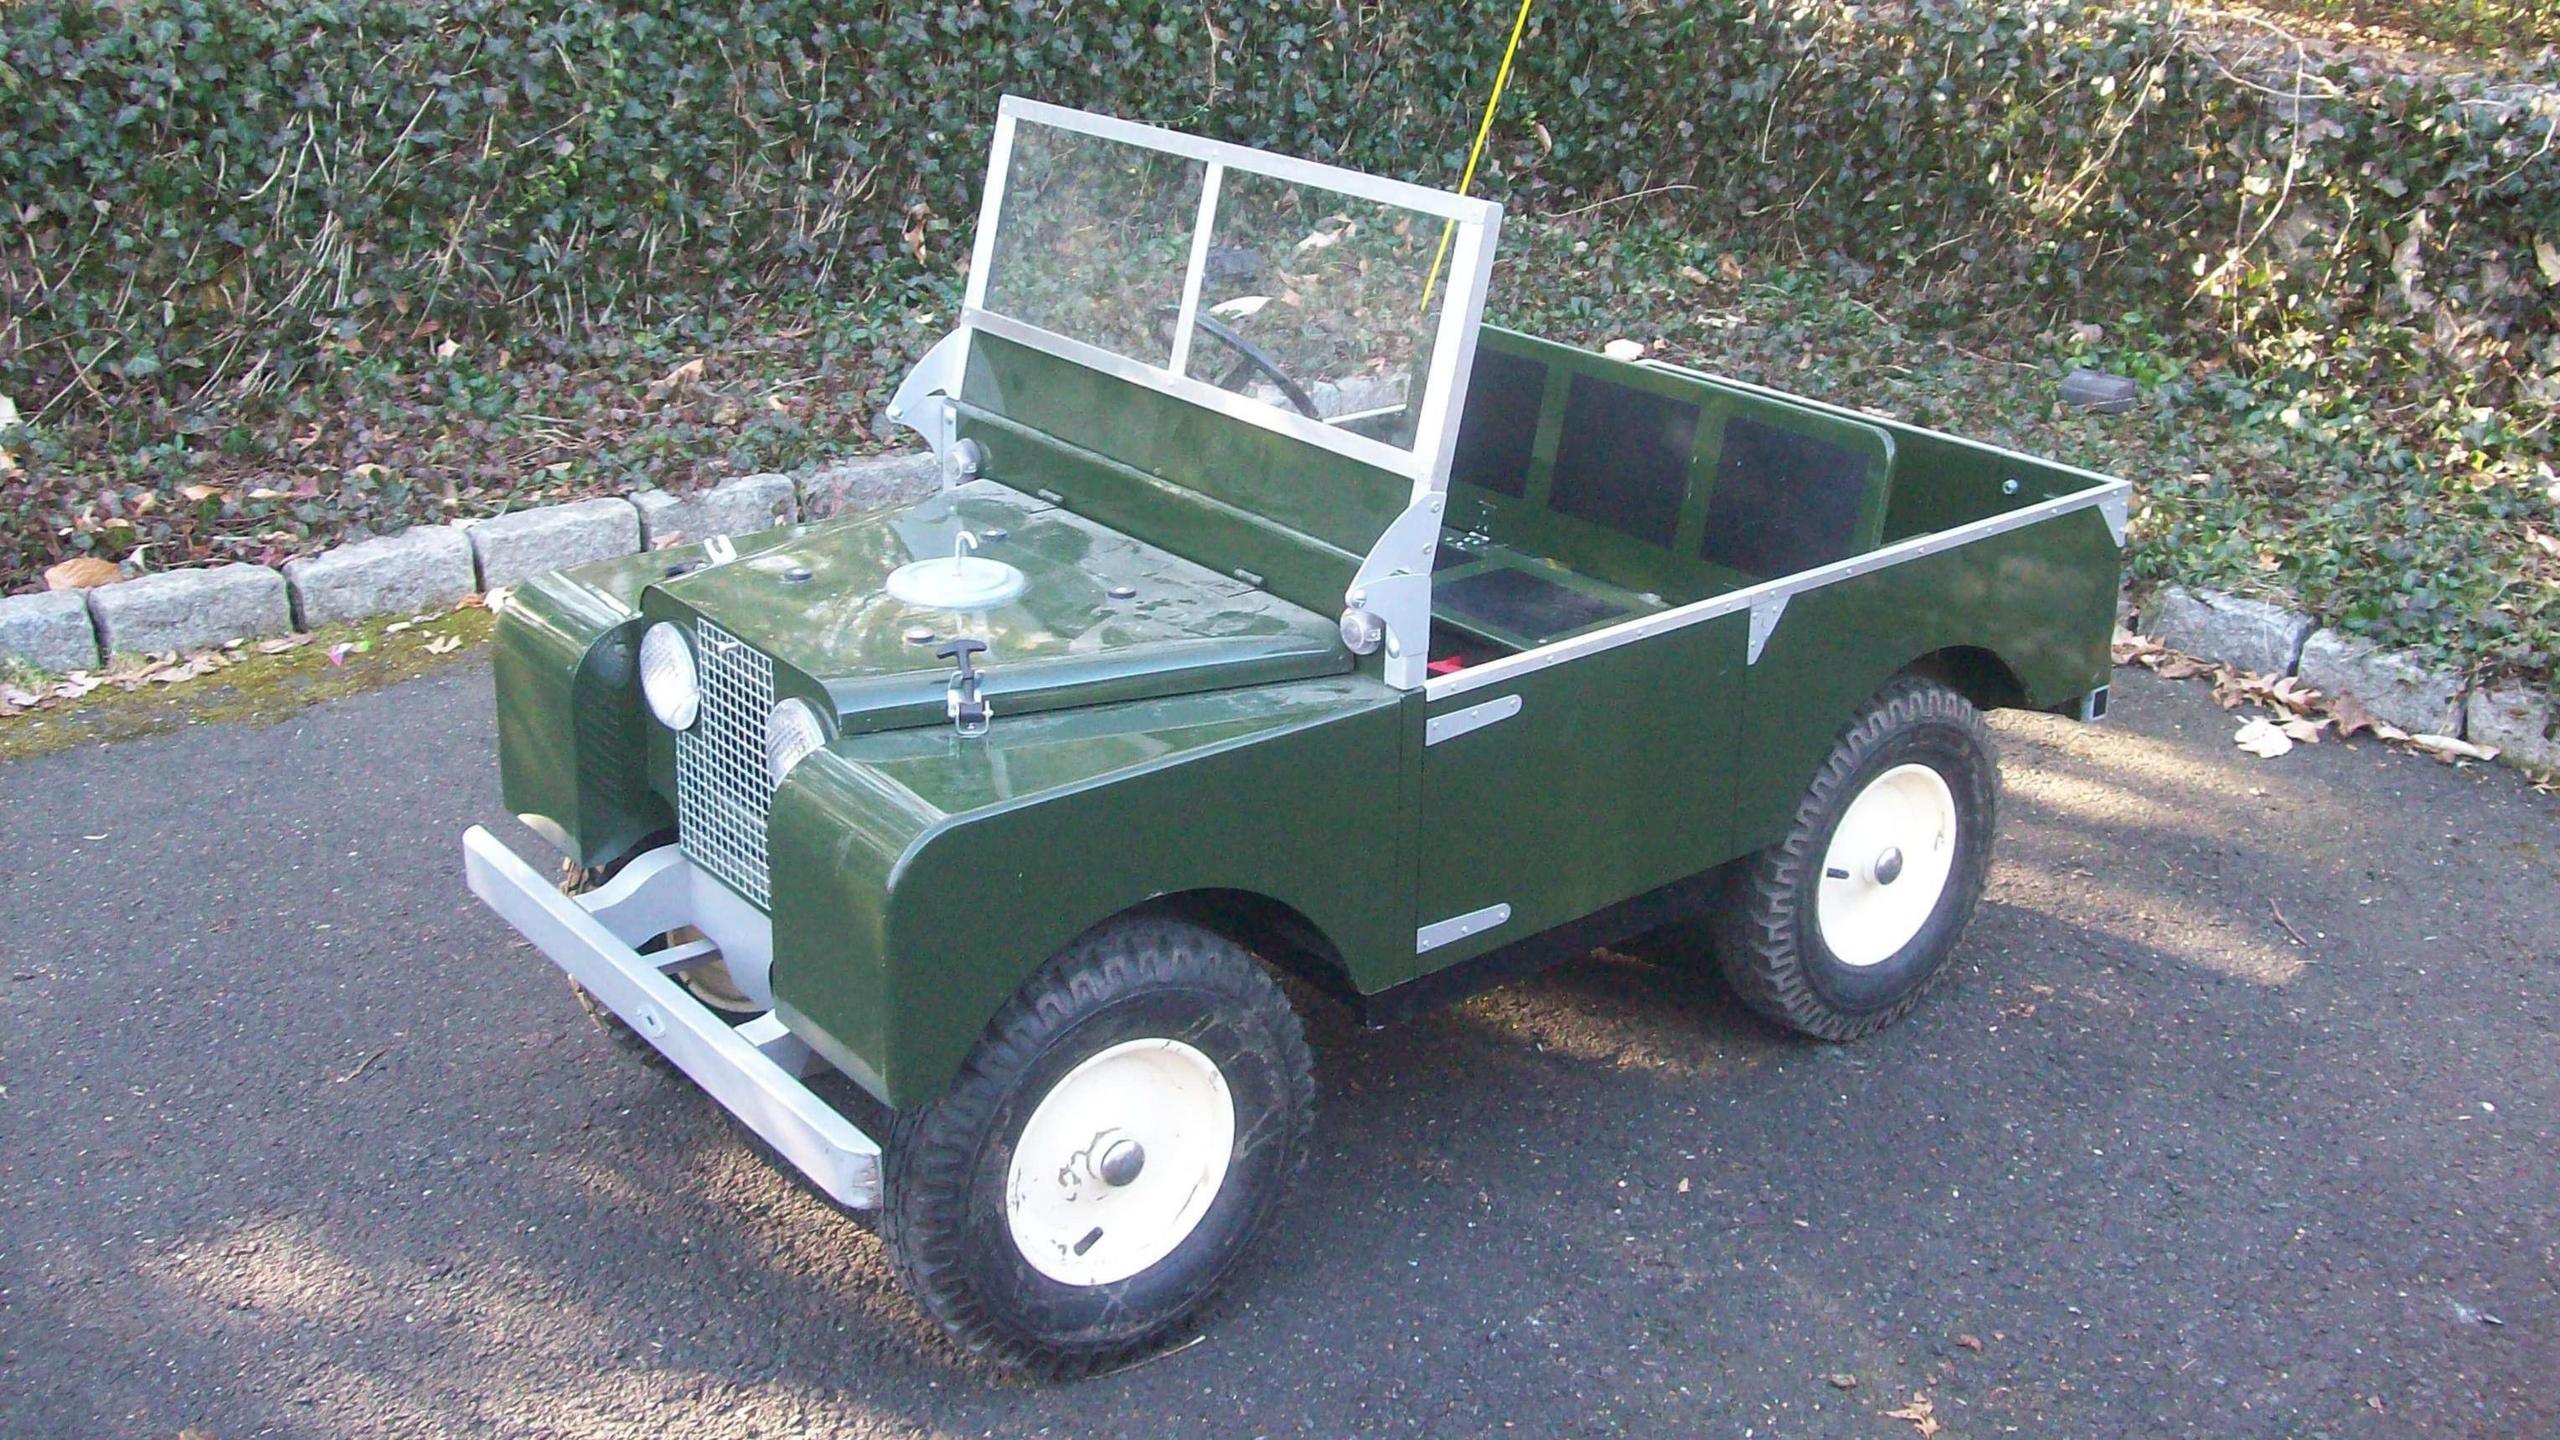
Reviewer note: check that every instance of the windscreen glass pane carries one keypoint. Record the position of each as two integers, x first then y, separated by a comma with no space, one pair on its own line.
1093,239
1314,301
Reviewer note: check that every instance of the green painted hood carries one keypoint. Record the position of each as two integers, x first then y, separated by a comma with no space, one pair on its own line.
1066,639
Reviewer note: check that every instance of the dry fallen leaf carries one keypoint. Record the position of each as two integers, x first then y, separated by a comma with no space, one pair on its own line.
1922,1415
1970,1342
2261,738
81,572
282,643
2351,716
444,644
2302,731
2448,748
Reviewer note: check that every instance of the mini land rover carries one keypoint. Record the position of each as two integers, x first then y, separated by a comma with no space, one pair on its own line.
1275,615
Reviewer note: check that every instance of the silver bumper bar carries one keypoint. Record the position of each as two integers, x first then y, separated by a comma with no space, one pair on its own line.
752,1069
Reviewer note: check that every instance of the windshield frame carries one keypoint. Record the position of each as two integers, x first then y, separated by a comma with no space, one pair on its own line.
1474,226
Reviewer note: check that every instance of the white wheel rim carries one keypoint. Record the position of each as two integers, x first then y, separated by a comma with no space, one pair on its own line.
1068,1217
1887,865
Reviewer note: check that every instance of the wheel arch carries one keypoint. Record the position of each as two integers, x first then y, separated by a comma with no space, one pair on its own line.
1975,672
1277,932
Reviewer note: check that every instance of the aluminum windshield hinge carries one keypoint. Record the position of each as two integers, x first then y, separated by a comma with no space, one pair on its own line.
923,402
967,708
1393,587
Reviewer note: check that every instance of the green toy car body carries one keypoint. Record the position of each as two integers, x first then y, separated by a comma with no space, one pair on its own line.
1275,614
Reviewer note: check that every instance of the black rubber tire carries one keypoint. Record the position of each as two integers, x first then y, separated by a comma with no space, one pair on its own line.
943,1220
1767,933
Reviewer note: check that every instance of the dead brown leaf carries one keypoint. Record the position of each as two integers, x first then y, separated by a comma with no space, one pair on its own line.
2350,716
81,572
2449,749
1970,1342
1921,1413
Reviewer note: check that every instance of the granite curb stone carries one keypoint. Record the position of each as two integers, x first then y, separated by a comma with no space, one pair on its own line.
425,567
2391,683
2522,722
50,631
526,543
2251,634
741,506
189,609
870,482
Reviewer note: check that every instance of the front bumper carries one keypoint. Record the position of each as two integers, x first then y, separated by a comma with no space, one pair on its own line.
754,1069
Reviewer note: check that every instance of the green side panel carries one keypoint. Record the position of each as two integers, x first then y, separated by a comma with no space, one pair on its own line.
1617,775
919,878
1195,451
2041,598
572,737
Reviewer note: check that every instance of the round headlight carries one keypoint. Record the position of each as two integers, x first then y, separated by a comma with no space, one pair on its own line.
791,732
667,680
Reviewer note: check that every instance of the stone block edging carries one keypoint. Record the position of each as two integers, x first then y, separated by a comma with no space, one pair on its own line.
424,567
2395,685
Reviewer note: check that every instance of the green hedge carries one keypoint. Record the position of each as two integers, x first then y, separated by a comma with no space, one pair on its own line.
214,193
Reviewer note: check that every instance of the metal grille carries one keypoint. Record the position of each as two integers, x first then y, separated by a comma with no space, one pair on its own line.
722,786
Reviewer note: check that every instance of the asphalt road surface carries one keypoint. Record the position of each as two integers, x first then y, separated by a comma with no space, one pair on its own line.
2241,1119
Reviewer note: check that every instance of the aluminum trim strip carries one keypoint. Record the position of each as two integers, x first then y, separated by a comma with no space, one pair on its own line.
732,1069
1529,662
1443,400
1458,927
982,246
1187,314
1469,720
1465,210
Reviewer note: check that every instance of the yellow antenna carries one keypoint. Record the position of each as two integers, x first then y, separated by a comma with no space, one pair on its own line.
1501,78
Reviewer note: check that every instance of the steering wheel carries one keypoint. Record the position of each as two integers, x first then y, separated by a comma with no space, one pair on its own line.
1251,357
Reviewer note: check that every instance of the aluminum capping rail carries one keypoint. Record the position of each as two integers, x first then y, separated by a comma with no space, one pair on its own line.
1774,594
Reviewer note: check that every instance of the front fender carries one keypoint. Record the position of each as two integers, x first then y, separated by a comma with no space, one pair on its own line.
572,737
919,877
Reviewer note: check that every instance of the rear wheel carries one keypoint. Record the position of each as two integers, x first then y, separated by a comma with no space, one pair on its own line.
1841,927
1112,1146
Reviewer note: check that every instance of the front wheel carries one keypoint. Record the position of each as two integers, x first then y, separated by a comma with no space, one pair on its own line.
1118,1137
1842,926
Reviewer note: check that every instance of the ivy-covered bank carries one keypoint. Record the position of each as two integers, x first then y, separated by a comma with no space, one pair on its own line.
280,266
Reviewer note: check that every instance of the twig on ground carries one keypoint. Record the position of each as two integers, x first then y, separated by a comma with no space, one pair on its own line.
2287,924
361,1066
